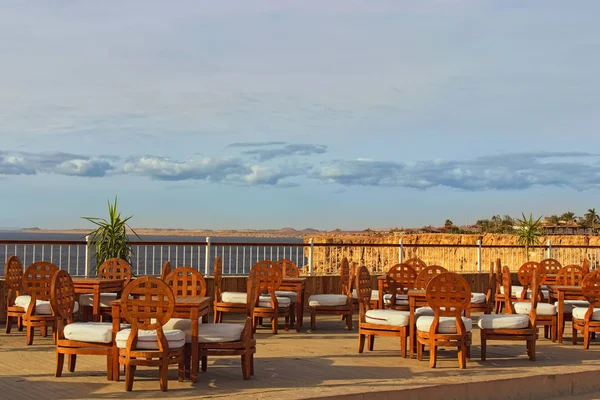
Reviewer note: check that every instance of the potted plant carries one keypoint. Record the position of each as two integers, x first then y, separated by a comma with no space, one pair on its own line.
110,239
529,232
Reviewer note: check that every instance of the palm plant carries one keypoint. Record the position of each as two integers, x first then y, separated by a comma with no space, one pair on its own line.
591,218
110,238
529,232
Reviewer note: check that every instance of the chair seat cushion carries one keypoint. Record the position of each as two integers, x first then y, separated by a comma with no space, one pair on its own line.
524,307
42,307
215,333
265,301
446,325
147,339
424,311
477,298
234,297
374,294
517,290
387,317
569,305
328,300
87,299
92,332
401,299
503,321
579,313
293,296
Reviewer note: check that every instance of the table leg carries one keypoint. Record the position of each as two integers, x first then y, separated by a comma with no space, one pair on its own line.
561,315
301,308
116,322
411,328
194,357
96,307
299,301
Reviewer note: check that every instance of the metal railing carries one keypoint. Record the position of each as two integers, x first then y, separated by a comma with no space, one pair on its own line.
77,257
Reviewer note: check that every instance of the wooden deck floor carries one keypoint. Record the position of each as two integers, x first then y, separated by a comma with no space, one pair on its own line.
321,364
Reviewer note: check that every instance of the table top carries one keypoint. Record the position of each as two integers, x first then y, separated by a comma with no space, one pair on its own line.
566,288
94,281
295,280
181,300
416,292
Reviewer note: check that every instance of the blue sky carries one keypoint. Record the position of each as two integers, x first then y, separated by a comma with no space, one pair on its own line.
263,114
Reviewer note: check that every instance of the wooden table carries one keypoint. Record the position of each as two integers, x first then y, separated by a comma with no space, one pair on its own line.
298,286
416,298
95,286
191,307
560,293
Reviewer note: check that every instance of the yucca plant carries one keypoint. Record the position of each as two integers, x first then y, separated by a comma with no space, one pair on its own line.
529,232
110,238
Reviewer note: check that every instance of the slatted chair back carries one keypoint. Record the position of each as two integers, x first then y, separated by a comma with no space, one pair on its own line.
448,294
551,266
426,274
166,270
288,268
186,281
498,273
536,281
345,277
363,291
218,278
586,265
115,268
147,303
268,279
526,273
416,263
37,280
591,289
62,299
13,276
252,293
507,286
400,278
491,291
570,275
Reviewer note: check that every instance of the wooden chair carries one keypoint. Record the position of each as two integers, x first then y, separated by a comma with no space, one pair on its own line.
484,302
166,270
449,295
499,296
416,263
37,280
427,274
334,304
268,277
511,326
147,304
225,339
289,270
13,276
113,268
375,322
551,266
546,313
587,320
226,302
73,338
571,275
524,275
399,279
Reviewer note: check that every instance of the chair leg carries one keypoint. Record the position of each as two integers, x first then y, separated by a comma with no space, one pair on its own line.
251,364
361,343
181,371
8,323
216,317
403,346
574,334
432,354
44,330
313,318
129,373
30,334
483,344
371,342
531,349
20,323
60,360
109,365
164,374
204,360
349,321
420,349
246,366
72,362
586,337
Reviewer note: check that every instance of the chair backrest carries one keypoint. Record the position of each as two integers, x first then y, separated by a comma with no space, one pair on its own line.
37,280
13,275
288,268
591,289
551,266
268,278
252,293
492,286
363,291
586,264
426,274
166,270
345,277
416,263
498,273
448,294
147,303
115,268
526,273
186,281
218,278
62,297
570,275
507,286
400,278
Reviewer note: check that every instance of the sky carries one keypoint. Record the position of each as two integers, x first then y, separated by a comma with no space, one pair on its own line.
308,114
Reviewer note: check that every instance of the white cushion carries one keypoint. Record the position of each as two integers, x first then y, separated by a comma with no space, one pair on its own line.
213,333
401,299
503,321
265,301
93,332
388,317
579,313
374,294
42,307
328,300
517,290
446,325
234,297
541,309
424,311
477,298
293,296
569,305
147,339
87,299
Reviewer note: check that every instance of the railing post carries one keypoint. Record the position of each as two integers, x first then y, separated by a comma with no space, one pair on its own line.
478,255
310,256
207,257
548,249
87,256
400,251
